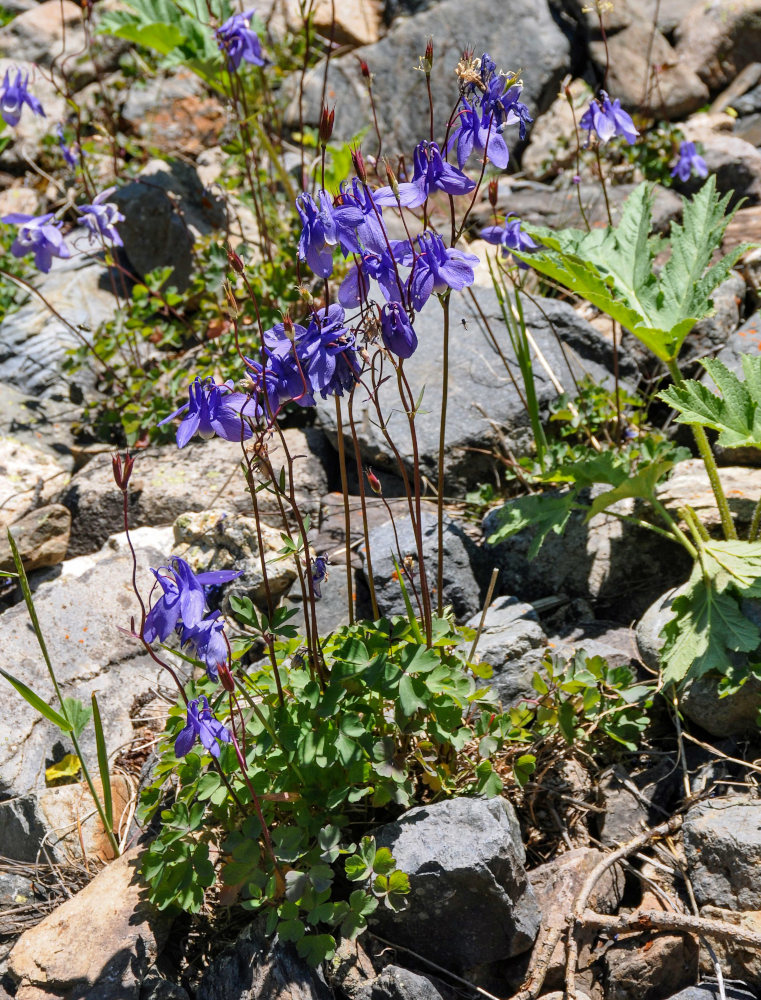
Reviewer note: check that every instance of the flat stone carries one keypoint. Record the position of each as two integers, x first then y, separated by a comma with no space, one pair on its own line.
534,41
485,411
740,962
80,617
689,484
642,969
722,842
98,943
710,991
41,536
26,474
470,900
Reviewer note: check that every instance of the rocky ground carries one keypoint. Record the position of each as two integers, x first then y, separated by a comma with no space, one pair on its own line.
491,892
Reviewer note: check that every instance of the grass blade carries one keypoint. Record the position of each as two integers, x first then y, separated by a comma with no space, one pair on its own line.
37,703
105,777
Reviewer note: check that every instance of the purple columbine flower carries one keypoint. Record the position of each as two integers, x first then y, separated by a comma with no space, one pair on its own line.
608,119
382,266
328,353
370,232
324,227
239,42
479,132
13,97
201,725
101,218
319,574
70,153
689,161
398,334
183,598
431,173
208,640
438,268
212,409
37,235
510,237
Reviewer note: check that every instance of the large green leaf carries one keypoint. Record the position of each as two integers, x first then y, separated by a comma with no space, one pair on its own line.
735,413
613,268
543,512
642,484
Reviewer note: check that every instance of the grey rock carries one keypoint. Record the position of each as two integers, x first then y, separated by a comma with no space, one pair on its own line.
535,40
41,537
485,411
395,983
631,973
511,642
617,645
735,714
259,966
722,842
167,481
80,617
470,900
633,801
711,991
33,343
405,8
749,103
166,208
43,425
748,128
616,566
461,564
719,39
155,987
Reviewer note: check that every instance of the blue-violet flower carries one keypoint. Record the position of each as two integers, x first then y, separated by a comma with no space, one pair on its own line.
689,162
608,119
37,235
431,173
319,574
398,333
324,227
201,725
239,42
70,153
13,97
510,237
101,217
183,598
212,409
438,268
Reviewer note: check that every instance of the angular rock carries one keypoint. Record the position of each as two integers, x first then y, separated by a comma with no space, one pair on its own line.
551,145
470,900
166,208
33,343
45,34
259,966
98,944
80,617
616,645
462,572
556,885
739,961
722,842
710,991
512,643
679,89
746,340
395,983
41,536
649,969
26,473
534,41
167,481
485,411
633,801
214,539
616,566
718,39
689,484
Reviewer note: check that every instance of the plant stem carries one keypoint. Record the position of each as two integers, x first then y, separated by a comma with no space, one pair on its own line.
347,516
701,440
755,524
442,446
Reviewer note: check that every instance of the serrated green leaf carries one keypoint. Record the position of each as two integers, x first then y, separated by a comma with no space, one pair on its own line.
543,512
77,713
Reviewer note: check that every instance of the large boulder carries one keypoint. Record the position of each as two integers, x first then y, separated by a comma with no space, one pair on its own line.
719,39
534,42
722,842
486,414
470,900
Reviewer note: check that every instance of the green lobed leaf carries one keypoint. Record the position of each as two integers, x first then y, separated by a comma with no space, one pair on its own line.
544,512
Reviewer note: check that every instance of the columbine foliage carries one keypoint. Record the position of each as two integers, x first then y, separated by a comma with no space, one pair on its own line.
613,267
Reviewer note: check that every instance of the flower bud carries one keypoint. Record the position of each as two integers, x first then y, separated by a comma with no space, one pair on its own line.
375,483
493,192
326,124
122,471
359,164
393,183
288,327
429,55
234,260
364,69
225,677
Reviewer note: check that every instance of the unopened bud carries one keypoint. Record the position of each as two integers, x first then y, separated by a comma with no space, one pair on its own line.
493,192
225,677
326,125
364,69
393,183
429,56
359,164
122,470
306,295
234,260
288,327
375,483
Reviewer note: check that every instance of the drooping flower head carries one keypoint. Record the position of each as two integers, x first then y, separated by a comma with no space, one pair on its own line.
207,638
14,95
383,266
480,132
329,354
101,218
72,153
39,235
325,226
510,236
608,119
437,268
497,94
397,332
370,232
319,574
212,409
431,173
239,41
201,725
183,598
689,162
